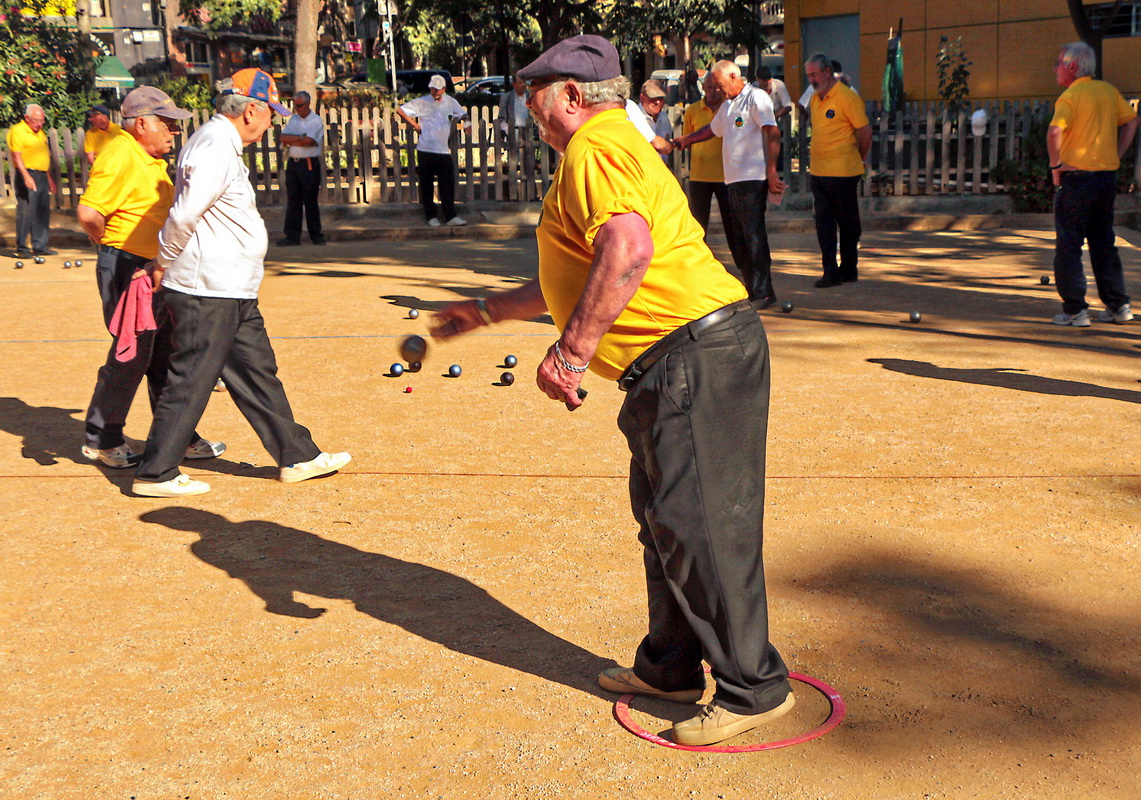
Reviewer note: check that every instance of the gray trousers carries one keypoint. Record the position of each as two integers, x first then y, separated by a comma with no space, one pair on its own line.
220,336
118,381
696,424
33,211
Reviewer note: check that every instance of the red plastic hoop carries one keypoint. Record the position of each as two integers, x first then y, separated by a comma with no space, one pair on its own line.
836,704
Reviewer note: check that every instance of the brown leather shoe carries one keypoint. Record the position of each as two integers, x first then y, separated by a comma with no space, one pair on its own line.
714,724
623,681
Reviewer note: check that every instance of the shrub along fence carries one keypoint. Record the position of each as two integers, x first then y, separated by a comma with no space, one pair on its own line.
370,156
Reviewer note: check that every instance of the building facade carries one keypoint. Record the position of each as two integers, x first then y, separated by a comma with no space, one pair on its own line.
1012,44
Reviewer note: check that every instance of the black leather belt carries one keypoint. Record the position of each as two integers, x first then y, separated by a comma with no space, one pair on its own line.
686,333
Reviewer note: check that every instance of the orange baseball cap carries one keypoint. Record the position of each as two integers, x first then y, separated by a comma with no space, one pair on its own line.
260,86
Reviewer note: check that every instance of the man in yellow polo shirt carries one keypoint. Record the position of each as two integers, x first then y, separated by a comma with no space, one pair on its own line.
706,169
639,298
125,205
1092,128
841,137
33,162
102,131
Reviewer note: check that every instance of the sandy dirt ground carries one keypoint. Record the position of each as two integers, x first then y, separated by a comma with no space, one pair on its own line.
952,543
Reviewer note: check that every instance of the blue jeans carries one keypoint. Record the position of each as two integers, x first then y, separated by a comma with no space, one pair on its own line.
1083,212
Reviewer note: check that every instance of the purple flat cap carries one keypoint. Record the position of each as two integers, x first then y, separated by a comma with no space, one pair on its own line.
585,58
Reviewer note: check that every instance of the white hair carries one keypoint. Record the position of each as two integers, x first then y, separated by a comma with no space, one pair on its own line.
232,105
727,69
594,93
822,62
1081,54
30,107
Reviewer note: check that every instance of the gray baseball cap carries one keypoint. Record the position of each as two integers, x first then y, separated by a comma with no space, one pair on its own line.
587,58
148,100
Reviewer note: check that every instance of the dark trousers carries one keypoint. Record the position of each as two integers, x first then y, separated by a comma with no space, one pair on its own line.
1083,212
701,194
118,381
220,336
744,220
696,425
33,211
835,203
302,184
437,167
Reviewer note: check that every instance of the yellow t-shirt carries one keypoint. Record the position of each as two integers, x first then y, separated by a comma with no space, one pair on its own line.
133,191
32,146
705,162
835,118
1089,113
608,169
95,140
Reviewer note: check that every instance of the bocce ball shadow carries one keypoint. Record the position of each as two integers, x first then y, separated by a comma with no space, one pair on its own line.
274,561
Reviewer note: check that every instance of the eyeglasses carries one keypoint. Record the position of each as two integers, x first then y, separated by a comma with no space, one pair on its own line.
171,124
536,85
655,100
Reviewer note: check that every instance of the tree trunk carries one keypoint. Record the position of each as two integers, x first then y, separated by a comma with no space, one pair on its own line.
305,47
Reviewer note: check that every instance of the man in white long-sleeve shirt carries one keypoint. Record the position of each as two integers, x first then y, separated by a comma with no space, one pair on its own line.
210,265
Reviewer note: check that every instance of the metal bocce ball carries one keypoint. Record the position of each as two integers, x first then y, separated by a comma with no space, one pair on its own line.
396,370
510,361
455,370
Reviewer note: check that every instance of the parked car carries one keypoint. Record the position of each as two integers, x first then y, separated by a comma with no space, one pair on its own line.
415,81
493,85
671,79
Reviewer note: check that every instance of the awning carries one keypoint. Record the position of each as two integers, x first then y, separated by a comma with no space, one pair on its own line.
113,75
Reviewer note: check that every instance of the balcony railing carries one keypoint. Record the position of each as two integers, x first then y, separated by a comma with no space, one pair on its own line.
772,12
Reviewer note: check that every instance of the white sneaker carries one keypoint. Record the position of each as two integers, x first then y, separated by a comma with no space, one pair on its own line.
457,221
1078,320
323,464
119,457
433,223
1123,314
182,486
205,449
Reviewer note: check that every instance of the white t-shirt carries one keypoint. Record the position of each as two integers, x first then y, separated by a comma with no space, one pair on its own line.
739,122
310,126
806,98
635,114
436,120
779,94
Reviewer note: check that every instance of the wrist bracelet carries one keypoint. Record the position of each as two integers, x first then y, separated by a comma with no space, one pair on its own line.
567,364
1055,166
484,314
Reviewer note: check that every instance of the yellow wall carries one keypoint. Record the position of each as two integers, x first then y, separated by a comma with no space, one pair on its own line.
1012,44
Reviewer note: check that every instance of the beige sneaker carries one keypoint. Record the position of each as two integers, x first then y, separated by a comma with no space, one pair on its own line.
182,486
120,457
623,681
714,724
323,464
204,448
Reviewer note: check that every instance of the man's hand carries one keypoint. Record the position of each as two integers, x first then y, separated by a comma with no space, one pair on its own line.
455,319
663,146
156,273
556,381
51,183
776,185
30,183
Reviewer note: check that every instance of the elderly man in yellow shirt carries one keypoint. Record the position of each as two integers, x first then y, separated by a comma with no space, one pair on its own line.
1092,128
102,131
123,209
33,162
706,169
638,298
841,136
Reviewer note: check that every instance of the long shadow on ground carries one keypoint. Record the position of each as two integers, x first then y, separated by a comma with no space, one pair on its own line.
1007,378
275,561
49,433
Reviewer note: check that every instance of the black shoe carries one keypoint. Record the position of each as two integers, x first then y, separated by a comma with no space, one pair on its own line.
760,303
850,278
45,252
317,239
22,253
287,243
826,282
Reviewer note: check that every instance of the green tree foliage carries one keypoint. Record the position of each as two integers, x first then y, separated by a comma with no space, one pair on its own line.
714,26
218,14
954,77
186,93
46,63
